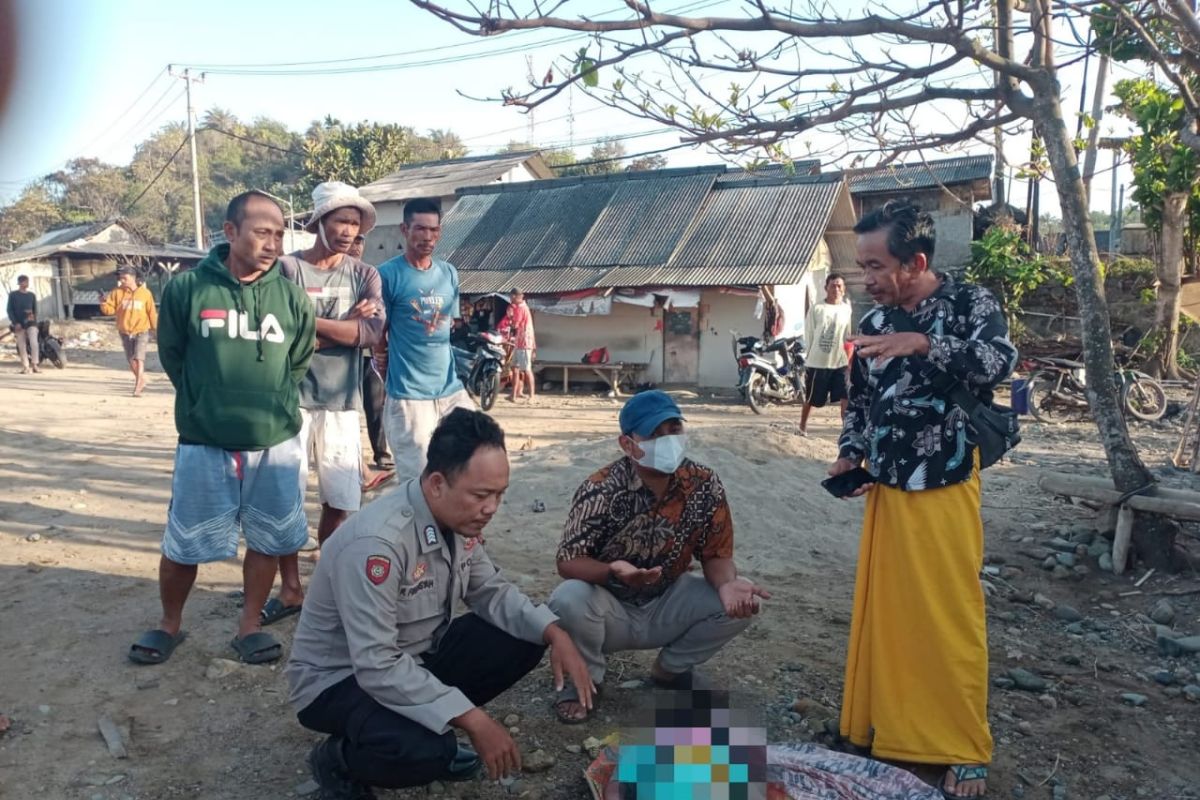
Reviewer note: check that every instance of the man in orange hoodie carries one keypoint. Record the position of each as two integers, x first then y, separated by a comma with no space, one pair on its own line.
133,306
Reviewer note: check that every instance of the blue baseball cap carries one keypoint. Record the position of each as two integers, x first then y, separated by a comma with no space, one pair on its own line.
644,412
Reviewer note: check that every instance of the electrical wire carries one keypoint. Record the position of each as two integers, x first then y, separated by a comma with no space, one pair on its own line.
248,140
154,180
124,114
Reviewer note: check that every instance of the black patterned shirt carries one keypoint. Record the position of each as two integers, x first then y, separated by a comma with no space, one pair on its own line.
911,436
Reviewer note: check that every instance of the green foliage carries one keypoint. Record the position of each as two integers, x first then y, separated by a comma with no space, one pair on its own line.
1124,267
233,156
1122,43
1004,263
586,67
356,154
1162,164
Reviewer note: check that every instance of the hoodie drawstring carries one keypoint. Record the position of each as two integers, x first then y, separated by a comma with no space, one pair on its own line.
240,300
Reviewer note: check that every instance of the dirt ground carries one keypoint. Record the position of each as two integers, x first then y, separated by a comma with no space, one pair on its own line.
87,472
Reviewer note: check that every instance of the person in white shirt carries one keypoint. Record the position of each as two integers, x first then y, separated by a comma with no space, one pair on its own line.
825,332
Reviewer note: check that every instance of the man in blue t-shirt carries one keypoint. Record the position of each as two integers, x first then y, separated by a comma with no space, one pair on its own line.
420,294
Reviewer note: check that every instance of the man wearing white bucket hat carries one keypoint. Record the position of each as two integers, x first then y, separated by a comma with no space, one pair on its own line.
345,293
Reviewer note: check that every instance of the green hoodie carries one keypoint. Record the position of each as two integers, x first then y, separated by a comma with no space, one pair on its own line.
234,388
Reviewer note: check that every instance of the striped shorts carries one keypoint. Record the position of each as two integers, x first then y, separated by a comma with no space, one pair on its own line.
215,494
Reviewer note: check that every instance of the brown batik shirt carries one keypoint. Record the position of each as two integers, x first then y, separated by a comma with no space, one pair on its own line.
616,517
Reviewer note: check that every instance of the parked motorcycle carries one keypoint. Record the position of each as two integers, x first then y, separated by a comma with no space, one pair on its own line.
1057,389
50,347
480,368
770,372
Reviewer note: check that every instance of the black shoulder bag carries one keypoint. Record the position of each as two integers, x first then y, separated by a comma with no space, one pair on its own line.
996,428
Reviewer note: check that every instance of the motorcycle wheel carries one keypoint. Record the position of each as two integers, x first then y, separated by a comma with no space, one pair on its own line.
57,356
489,387
755,393
1042,404
1144,398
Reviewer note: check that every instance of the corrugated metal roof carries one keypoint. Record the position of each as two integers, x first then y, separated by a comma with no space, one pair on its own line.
924,175
682,227
642,222
441,178
113,250
807,166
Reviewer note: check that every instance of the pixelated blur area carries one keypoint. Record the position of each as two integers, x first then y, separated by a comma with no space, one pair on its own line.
694,745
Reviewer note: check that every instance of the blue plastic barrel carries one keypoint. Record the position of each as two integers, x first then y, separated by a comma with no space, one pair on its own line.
1020,395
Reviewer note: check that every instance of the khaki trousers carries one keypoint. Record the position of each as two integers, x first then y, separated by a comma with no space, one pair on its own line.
687,621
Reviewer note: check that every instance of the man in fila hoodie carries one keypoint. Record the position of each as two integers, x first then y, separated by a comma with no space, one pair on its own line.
235,337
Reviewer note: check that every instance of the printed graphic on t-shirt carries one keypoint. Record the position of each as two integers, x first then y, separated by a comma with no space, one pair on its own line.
427,308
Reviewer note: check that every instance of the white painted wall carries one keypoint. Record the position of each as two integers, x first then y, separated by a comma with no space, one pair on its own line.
720,314
41,283
630,333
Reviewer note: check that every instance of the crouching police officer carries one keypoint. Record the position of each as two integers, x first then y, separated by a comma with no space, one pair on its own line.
377,662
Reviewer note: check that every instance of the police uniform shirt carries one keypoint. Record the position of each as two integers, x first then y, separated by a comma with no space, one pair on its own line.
383,593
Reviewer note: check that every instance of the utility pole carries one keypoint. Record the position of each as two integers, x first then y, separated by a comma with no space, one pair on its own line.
188,80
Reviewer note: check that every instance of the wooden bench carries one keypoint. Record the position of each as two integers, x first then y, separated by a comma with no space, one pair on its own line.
612,373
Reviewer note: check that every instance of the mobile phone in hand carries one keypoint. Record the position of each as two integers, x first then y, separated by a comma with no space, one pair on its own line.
847,483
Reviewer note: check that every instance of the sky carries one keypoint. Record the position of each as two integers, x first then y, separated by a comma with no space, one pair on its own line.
92,79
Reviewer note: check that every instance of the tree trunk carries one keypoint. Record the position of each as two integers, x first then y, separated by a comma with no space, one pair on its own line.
1169,271
1153,535
1093,140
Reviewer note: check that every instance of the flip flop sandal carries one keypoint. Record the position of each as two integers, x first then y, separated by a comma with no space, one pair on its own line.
964,772
155,647
257,648
377,480
570,694
275,610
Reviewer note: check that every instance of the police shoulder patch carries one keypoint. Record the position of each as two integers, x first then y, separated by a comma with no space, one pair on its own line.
430,534
378,569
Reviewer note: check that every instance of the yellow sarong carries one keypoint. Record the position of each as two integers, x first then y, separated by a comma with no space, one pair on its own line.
917,666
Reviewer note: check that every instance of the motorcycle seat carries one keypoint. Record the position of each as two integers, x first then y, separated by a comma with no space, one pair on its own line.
1064,363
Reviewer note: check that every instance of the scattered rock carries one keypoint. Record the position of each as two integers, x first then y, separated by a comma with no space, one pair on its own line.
538,761
1183,675
145,682
1025,728
1134,699
1058,793
592,746
807,707
1004,683
1067,614
514,731
1163,612
1075,629
1066,559
510,720
219,668
574,749
636,684
33,537
1061,545
538,507
1042,601
516,787
1177,647
44,709
1072,660
1049,563
174,701
437,787
308,787
1191,693
1105,562
112,736
1164,677
1060,573
1027,681
1048,702
1097,549
79,506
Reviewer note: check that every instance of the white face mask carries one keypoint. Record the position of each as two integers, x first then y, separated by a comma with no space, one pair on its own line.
663,454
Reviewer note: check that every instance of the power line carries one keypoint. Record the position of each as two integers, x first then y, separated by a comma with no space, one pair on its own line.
123,114
154,180
238,68
247,139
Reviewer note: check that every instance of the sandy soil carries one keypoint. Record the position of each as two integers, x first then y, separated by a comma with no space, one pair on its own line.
87,470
